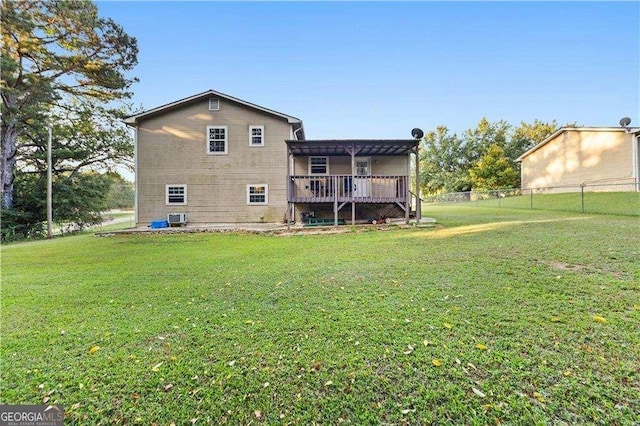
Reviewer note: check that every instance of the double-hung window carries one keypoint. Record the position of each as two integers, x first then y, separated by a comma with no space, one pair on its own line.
176,195
318,165
257,194
217,143
256,135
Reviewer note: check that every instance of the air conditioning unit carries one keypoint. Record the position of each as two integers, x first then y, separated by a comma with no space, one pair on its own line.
177,219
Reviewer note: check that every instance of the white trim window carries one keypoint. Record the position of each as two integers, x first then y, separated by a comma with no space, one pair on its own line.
217,140
318,165
214,104
257,194
256,135
176,195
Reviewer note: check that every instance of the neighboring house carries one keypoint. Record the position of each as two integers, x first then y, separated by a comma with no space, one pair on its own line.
220,159
601,158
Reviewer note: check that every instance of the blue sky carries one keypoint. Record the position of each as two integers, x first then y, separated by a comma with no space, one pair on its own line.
378,69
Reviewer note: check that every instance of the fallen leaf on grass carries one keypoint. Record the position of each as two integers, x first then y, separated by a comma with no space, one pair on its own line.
437,362
328,383
168,387
478,392
94,349
426,342
555,318
481,346
409,350
447,326
258,414
75,406
538,396
598,318
156,367
407,411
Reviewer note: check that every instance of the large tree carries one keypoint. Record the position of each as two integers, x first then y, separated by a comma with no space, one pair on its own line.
56,55
491,147
493,170
444,162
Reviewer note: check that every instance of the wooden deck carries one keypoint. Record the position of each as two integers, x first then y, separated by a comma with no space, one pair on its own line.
347,188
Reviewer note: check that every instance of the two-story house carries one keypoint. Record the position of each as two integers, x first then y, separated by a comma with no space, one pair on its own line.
220,159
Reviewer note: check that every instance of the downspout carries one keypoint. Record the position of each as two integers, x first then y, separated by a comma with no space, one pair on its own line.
289,214
295,132
135,174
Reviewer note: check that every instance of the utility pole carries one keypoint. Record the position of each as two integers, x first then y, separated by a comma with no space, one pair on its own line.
49,188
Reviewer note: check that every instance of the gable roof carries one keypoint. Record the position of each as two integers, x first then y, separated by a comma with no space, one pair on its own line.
132,120
561,130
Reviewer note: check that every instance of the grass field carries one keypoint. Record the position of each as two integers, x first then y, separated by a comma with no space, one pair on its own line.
615,203
496,315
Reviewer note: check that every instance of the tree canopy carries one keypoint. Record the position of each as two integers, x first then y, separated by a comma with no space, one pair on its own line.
62,66
480,158
58,59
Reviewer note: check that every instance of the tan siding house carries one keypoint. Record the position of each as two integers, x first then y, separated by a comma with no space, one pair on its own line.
218,159
213,157
598,157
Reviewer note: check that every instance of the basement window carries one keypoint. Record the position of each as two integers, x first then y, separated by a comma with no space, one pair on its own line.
176,195
257,195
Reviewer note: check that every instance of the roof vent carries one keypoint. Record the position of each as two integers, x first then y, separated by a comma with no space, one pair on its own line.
214,104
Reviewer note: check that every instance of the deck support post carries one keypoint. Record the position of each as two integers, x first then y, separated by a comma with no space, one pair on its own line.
290,212
352,151
335,200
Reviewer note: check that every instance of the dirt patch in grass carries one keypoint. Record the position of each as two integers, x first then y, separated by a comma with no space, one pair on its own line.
589,269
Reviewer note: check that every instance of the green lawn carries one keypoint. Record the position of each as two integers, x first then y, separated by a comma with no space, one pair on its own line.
617,203
496,315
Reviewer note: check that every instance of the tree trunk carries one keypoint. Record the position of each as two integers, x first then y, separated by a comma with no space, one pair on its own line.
9,136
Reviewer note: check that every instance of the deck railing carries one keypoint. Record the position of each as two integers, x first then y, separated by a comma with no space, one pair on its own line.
344,188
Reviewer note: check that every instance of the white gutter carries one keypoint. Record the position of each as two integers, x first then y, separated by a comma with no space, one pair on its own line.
135,176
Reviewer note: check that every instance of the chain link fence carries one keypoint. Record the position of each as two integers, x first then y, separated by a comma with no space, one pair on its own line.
610,198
